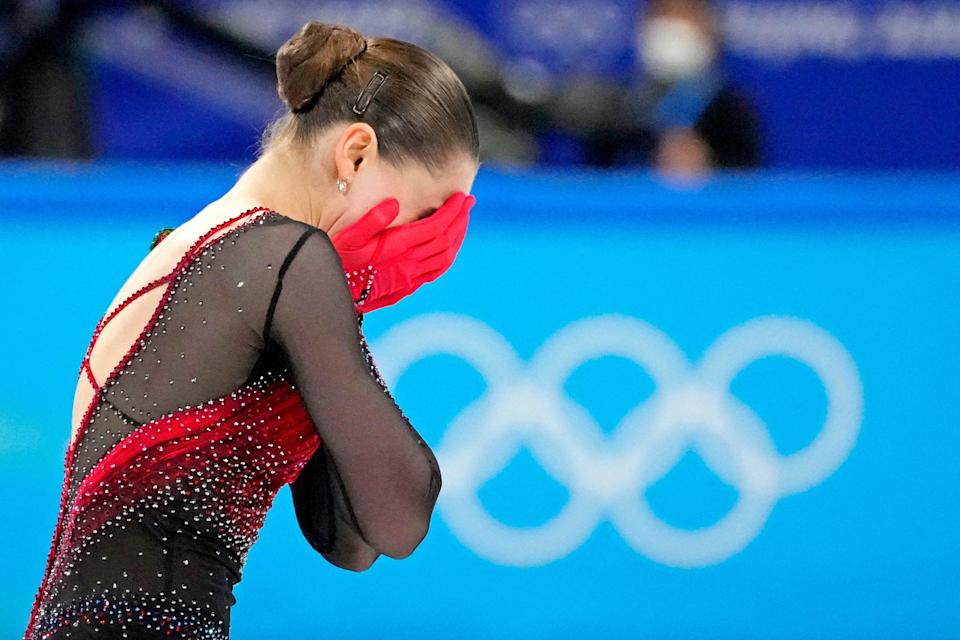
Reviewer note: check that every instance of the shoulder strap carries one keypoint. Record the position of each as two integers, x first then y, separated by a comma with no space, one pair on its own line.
268,320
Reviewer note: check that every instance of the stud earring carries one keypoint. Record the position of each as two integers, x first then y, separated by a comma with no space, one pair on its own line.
342,185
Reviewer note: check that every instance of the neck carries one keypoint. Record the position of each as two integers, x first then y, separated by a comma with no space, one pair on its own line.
293,183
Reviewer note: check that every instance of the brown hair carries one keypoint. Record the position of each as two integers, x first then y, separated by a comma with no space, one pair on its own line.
326,74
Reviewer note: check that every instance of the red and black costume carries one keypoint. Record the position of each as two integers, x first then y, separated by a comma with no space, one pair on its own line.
252,372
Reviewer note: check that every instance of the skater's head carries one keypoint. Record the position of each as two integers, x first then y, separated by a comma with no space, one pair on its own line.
386,116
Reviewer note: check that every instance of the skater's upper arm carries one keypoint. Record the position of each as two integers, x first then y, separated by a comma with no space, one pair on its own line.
390,477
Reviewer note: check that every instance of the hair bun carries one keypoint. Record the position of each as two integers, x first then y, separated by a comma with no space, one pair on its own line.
309,59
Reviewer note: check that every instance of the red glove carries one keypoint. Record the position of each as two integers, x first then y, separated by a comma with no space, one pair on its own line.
384,265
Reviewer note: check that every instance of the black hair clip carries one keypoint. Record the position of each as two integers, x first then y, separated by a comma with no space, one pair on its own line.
369,91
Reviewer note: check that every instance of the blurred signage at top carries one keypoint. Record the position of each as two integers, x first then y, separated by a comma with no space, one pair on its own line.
599,34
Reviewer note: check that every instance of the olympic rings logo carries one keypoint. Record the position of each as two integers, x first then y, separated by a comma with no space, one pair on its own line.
691,408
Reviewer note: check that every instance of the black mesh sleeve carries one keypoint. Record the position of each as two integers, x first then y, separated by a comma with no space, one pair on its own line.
372,485
324,516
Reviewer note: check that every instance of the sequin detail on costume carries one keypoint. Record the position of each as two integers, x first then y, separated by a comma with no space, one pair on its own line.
360,282
247,351
205,475
213,470
126,615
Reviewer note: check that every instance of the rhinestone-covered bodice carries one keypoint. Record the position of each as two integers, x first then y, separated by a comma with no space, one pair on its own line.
187,441
183,495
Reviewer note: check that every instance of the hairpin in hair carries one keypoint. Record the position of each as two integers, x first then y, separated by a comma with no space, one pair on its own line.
369,91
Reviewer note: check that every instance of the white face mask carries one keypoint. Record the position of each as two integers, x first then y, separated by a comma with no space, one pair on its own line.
672,48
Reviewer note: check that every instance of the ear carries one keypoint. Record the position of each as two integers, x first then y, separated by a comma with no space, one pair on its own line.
356,148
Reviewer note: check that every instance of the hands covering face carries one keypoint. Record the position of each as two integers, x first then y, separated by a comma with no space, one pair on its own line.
384,265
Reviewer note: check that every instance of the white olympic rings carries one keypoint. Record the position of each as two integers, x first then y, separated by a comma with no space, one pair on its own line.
690,408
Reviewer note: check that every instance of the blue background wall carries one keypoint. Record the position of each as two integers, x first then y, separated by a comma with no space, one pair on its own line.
859,541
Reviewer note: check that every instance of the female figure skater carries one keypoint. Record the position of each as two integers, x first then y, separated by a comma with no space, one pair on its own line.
232,362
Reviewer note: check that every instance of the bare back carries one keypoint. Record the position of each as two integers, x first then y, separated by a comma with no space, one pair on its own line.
124,327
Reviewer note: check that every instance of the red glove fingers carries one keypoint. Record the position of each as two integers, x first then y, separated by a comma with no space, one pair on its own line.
432,231
433,256
446,245
386,265
357,243
361,233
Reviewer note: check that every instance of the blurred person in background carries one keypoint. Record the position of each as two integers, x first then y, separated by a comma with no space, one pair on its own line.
681,115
